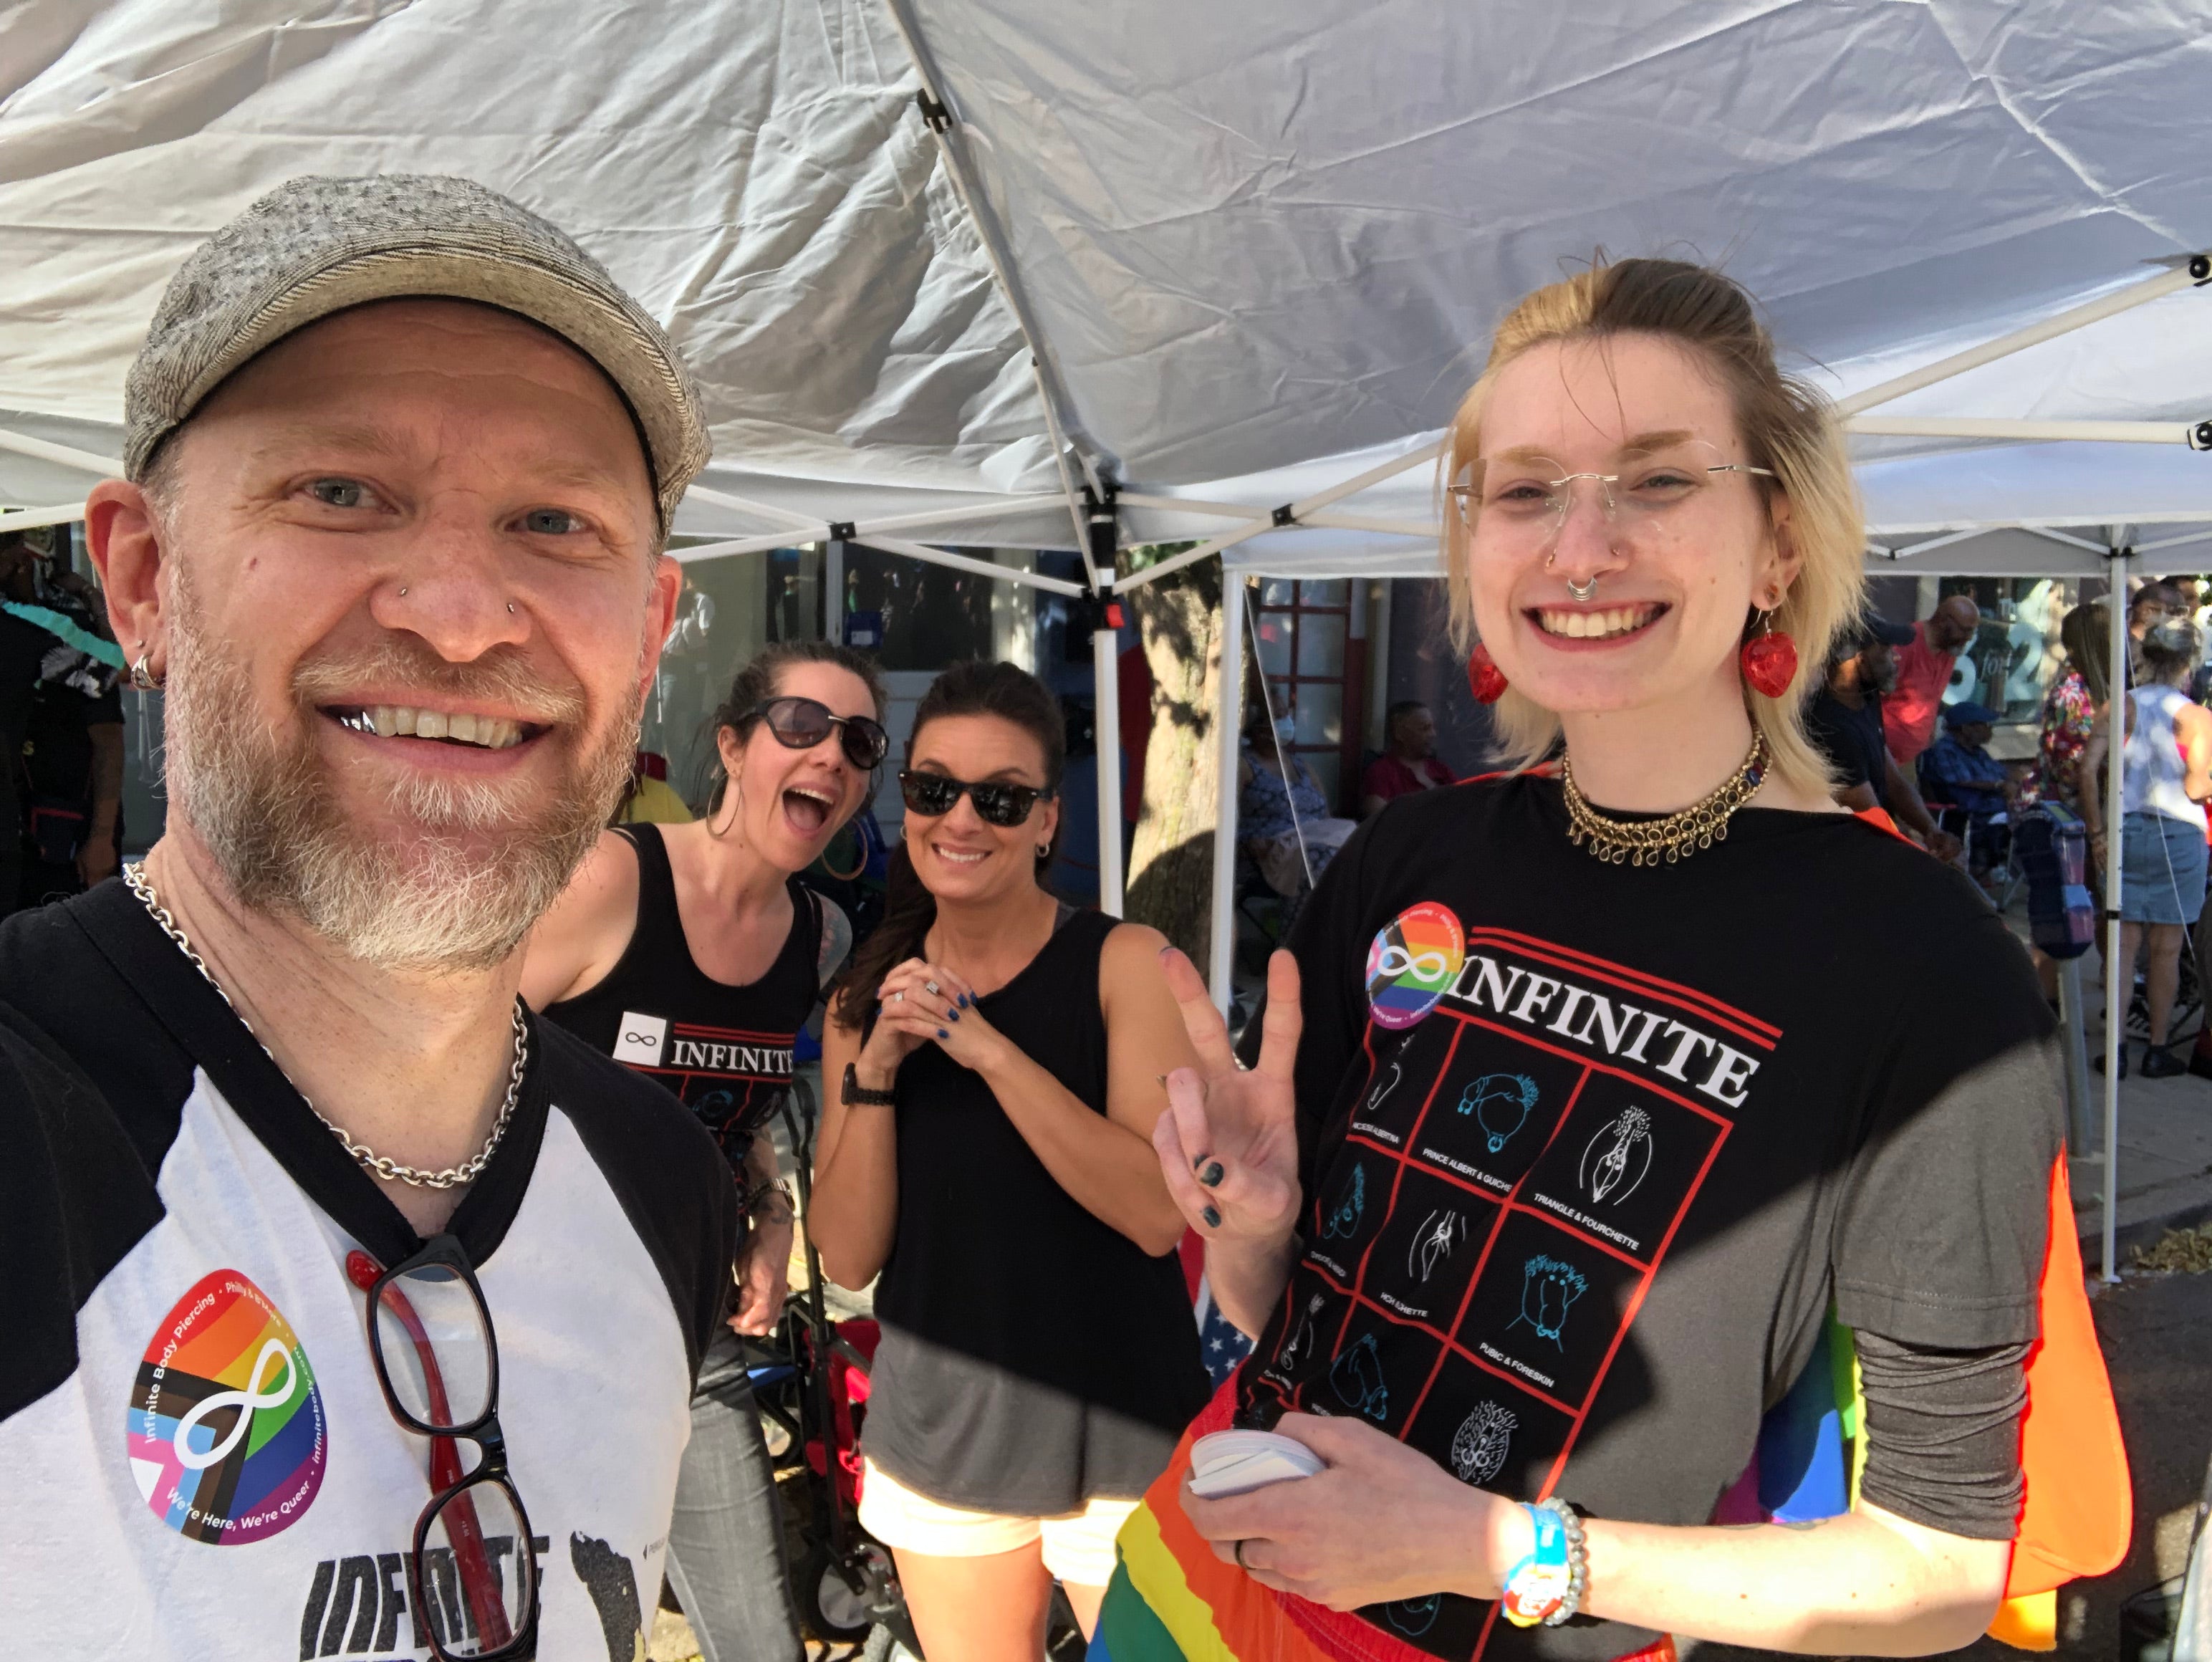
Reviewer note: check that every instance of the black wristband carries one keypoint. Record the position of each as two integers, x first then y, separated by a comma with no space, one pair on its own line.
852,1096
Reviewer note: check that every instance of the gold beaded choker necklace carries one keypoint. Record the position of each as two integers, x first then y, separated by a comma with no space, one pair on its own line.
1677,835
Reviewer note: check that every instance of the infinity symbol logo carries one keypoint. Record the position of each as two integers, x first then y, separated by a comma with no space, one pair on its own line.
252,1397
1425,966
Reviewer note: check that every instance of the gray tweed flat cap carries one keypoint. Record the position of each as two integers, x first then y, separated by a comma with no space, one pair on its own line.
315,245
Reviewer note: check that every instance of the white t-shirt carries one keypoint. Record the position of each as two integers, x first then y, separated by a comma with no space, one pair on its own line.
200,1460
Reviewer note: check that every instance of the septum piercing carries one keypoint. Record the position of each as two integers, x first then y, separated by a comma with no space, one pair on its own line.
1583,590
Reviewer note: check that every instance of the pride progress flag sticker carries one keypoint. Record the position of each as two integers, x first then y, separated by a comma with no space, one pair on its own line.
225,1426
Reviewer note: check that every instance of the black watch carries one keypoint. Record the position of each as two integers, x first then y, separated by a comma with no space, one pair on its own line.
854,1097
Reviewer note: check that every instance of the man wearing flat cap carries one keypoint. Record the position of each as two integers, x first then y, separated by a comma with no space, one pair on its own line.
353,1312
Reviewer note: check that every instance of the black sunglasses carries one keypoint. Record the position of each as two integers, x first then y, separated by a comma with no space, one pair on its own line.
932,794
802,723
472,1573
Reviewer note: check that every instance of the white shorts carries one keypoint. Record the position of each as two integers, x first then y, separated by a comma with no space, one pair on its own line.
1078,1547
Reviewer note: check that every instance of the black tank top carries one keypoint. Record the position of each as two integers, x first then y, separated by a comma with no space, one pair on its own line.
725,1049
1033,1358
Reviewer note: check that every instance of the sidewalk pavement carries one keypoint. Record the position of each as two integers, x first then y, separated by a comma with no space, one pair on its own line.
2165,1167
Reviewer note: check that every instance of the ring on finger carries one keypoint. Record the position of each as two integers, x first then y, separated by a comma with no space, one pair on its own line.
1238,1555
929,987
897,997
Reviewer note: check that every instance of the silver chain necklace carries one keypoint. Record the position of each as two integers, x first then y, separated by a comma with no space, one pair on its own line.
383,1166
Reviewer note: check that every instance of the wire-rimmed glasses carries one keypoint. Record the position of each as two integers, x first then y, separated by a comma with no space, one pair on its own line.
1528,493
472,1574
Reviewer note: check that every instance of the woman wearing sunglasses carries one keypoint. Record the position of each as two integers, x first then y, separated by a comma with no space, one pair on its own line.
1584,1093
693,953
988,1152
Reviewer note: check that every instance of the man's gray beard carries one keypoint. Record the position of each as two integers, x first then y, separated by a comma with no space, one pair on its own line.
456,895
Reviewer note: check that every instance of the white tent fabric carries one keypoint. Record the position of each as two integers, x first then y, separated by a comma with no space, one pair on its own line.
1247,238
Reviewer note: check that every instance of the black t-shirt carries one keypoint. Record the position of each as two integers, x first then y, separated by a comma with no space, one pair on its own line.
1589,1149
201,1462
75,693
1851,739
23,648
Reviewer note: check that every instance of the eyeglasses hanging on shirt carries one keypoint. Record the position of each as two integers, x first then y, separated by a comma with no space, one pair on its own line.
472,1572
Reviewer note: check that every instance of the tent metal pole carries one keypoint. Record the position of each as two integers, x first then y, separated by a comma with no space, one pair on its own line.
833,591
1227,722
1330,520
2164,543
1359,482
964,562
2196,270
30,518
936,111
2196,436
747,505
2119,977
1106,691
61,455
762,541
1290,515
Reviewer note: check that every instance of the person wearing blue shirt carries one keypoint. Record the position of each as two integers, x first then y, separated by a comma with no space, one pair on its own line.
1956,771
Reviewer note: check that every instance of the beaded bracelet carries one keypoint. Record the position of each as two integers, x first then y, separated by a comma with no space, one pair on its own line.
1547,1585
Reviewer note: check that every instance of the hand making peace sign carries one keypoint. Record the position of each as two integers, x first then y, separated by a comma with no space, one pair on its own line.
1228,1144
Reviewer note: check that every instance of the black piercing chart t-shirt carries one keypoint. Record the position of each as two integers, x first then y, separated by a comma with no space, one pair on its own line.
1588,1150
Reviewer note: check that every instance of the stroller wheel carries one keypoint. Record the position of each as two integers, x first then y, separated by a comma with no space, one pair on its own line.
834,1607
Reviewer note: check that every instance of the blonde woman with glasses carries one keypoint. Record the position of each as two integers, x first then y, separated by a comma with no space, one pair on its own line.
1585,1091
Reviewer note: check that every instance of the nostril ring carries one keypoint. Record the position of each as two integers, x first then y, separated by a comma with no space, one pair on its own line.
403,591
510,608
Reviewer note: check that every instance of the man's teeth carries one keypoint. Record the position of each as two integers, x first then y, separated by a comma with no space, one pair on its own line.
1595,625
394,720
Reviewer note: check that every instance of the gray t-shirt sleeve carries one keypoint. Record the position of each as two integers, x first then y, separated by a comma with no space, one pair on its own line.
1942,1218
1942,1430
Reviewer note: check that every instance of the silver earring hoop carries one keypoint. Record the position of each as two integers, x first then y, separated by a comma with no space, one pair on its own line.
141,679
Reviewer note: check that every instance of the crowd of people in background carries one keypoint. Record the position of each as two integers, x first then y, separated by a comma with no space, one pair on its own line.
61,727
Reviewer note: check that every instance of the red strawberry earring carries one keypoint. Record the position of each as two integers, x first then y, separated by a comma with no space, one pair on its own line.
1484,678
1769,659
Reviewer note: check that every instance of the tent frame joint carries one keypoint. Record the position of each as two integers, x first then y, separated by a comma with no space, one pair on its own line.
1284,515
2200,437
2200,268
933,111
843,530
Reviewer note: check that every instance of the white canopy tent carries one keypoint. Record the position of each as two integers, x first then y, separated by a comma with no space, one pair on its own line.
942,265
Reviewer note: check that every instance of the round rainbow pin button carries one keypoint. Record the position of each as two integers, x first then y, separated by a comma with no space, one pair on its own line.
1415,959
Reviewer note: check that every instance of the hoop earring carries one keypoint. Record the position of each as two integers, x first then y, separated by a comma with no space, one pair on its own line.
861,846
141,679
1768,659
1484,678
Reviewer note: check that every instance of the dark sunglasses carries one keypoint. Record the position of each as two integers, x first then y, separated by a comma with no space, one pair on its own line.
802,723
472,1573
934,794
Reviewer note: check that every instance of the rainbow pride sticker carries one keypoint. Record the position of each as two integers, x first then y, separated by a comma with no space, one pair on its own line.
227,1436
1415,958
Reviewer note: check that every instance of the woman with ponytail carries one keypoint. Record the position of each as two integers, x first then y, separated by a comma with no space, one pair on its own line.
993,1060
693,953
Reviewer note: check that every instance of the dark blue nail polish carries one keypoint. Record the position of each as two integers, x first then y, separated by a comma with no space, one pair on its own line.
1212,1218
942,1033
1199,1165
956,1012
1212,1175
966,999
